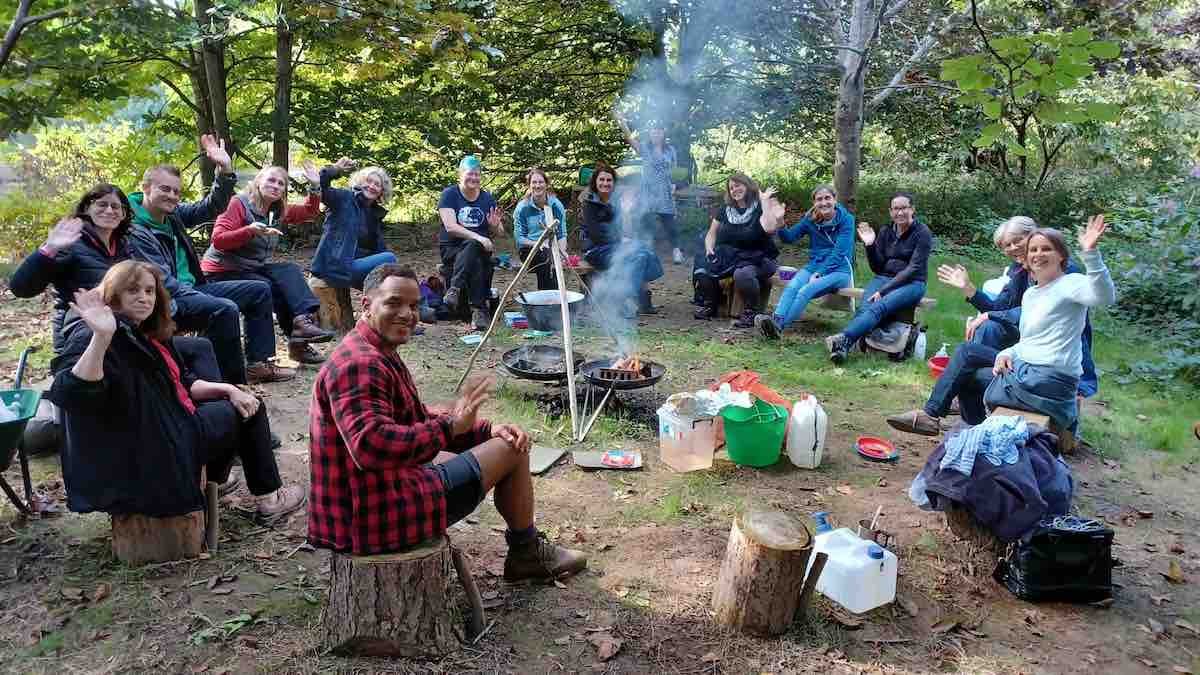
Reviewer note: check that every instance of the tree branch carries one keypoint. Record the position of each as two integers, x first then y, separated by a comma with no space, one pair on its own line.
926,45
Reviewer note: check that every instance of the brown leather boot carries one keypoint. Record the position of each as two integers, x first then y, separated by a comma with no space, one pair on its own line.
302,352
306,328
266,371
274,507
539,559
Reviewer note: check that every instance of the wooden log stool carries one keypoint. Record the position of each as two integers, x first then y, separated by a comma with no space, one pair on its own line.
1066,439
336,312
140,539
759,587
399,604
731,304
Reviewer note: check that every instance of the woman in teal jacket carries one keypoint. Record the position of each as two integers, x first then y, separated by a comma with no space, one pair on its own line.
830,230
529,219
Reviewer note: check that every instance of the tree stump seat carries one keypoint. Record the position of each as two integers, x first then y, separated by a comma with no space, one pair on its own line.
1066,438
758,590
731,303
400,604
336,312
846,298
139,539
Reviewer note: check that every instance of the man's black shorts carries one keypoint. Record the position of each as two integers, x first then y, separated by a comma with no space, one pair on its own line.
463,482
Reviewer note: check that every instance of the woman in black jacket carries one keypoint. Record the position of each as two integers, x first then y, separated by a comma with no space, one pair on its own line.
626,265
741,244
138,425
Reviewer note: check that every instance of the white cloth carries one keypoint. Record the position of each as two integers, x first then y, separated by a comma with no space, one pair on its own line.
1052,316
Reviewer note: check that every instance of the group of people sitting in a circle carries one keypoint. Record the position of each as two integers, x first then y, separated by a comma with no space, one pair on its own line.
127,278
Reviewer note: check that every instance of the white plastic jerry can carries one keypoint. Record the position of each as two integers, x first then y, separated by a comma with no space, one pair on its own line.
859,575
807,426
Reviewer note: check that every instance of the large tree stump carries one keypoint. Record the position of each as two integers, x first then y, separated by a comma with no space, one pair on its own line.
336,312
139,539
399,604
758,589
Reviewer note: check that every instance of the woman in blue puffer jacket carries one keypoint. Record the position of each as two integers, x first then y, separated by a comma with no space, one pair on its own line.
352,244
830,230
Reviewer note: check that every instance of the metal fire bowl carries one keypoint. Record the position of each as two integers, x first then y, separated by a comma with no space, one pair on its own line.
531,361
591,372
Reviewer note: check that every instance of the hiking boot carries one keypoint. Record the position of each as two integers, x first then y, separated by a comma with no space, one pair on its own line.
765,323
266,371
306,328
746,319
677,257
450,299
276,441
482,318
916,422
644,304
274,507
302,352
539,559
705,313
838,349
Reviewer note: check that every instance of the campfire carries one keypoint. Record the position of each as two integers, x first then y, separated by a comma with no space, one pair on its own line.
625,369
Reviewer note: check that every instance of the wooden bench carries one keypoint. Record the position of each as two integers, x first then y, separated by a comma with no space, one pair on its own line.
845,298
1066,439
399,604
336,312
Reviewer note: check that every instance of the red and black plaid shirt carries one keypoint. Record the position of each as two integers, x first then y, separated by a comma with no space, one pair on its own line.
369,439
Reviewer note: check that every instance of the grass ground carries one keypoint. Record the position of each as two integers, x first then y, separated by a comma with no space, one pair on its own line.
655,538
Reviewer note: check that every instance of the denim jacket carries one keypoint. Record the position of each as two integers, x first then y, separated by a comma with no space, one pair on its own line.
348,216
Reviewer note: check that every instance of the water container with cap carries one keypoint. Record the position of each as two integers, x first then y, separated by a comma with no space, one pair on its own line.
860,575
807,426
919,348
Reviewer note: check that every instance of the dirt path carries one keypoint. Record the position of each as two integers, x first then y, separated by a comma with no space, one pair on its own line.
655,538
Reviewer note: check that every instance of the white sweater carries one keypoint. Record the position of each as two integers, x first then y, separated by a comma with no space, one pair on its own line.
1052,316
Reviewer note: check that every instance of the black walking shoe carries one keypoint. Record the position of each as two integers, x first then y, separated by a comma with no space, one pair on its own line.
765,323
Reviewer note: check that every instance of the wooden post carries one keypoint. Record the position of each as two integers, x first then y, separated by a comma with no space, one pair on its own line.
759,586
139,539
212,517
500,309
568,349
397,604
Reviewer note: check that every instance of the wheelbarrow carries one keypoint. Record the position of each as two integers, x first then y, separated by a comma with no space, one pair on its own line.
24,402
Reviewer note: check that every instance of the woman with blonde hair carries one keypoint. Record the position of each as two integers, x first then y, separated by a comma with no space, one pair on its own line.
352,241
139,426
243,239
529,220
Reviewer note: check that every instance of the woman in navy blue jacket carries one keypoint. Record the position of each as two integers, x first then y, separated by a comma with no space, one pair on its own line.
352,244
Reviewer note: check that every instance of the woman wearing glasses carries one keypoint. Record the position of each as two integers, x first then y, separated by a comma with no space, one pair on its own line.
898,255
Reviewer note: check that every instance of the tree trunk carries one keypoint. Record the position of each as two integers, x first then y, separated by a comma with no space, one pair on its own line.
393,605
759,587
138,539
848,117
282,119
203,113
212,52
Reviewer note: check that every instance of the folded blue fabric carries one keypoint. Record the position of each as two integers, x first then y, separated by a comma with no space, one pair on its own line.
996,439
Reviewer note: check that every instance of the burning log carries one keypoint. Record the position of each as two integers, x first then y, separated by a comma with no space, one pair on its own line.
625,369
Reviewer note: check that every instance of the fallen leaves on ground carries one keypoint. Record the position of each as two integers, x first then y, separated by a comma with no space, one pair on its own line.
1174,573
606,645
1191,628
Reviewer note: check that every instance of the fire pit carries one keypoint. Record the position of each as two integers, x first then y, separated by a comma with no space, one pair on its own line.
622,373
543,363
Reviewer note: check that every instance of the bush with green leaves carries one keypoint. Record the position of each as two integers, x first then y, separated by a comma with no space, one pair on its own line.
60,165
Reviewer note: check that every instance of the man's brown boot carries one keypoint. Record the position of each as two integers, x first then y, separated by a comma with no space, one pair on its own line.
302,352
265,371
306,328
539,559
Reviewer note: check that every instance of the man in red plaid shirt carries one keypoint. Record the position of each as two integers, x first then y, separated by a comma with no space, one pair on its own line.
388,472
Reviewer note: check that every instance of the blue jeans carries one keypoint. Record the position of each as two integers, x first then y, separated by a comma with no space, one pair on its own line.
213,308
290,294
803,289
872,314
996,335
361,267
967,376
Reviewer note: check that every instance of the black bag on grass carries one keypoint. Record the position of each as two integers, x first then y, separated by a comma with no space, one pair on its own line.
1066,559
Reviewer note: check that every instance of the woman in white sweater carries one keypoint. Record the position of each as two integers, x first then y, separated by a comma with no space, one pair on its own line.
1041,372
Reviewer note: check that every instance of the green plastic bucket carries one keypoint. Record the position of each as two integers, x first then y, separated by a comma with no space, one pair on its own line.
754,435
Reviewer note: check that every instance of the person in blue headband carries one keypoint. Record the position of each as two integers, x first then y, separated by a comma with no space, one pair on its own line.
470,221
